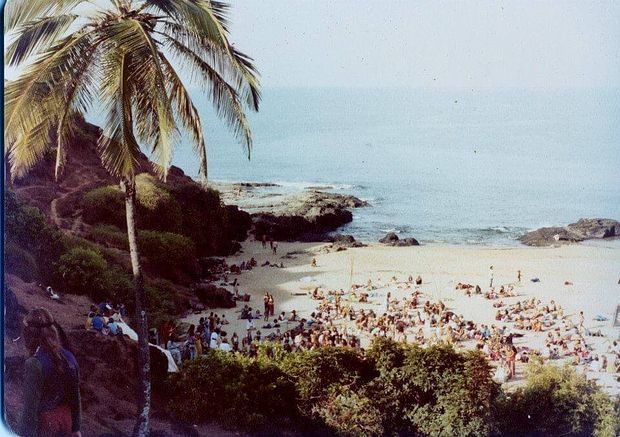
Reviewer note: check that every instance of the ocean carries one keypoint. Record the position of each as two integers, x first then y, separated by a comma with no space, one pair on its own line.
450,166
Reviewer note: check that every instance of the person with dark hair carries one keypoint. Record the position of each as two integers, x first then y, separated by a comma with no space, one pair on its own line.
52,404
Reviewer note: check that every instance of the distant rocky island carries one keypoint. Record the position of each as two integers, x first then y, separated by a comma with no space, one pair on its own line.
583,229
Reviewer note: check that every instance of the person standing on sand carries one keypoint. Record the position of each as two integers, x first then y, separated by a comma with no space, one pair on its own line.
491,277
271,305
264,241
271,243
266,305
519,276
275,247
52,405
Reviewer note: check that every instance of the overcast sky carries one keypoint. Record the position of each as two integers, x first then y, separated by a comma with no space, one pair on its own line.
431,43
407,43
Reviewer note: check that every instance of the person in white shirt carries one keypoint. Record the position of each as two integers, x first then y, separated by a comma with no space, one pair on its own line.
215,340
224,346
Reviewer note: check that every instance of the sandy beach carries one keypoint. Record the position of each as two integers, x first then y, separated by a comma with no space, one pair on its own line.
592,270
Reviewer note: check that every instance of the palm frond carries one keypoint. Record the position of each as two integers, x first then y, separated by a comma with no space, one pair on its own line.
18,12
223,95
231,63
34,101
76,99
40,80
35,35
117,145
155,122
197,15
188,114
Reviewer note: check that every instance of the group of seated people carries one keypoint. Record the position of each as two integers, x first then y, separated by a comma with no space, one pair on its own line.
105,318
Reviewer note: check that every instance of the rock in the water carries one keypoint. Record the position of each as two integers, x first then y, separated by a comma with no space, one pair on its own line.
391,239
584,229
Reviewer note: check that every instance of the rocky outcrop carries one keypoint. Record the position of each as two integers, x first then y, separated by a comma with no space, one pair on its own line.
212,296
584,229
305,216
391,239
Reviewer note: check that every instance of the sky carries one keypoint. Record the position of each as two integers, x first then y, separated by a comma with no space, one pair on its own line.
392,43
428,43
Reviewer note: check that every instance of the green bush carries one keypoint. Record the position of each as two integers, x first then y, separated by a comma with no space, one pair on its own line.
351,413
392,389
28,228
235,391
118,285
432,391
320,371
157,208
558,401
162,302
20,262
109,235
211,225
171,255
81,271
104,205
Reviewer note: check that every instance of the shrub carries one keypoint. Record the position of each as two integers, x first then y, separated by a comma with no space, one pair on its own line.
104,205
162,302
234,390
27,227
172,255
318,372
109,235
20,262
118,285
558,401
350,413
81,271
157,208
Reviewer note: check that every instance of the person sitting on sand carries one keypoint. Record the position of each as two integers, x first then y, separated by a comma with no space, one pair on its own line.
293,316
418,280
225,346
313,263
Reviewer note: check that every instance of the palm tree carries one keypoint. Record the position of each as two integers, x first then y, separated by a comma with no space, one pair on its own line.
121,55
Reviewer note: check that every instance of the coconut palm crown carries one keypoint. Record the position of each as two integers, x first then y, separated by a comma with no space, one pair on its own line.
121,54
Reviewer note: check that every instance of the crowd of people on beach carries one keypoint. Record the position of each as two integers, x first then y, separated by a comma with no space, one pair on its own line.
374,310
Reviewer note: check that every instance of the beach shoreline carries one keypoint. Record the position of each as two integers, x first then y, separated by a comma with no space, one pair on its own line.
592,272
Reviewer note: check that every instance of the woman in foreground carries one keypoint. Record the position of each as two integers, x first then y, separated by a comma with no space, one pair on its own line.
51,381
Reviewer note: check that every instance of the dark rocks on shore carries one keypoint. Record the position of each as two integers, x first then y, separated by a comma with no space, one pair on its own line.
342,242
212,296
309,216
391,239
583,229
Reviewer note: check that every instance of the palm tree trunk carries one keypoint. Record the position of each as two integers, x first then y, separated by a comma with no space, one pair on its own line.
141,428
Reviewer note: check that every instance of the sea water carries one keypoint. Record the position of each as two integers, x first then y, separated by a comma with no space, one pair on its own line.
456,166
